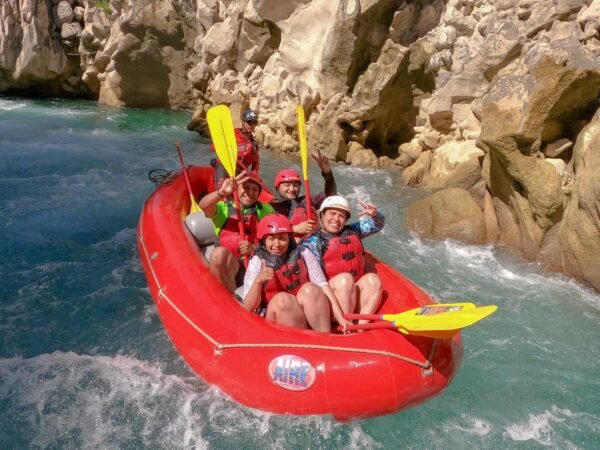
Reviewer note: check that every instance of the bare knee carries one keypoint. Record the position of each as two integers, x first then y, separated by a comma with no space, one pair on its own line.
283,302
371,280
219,256
309,290
342,281
222,258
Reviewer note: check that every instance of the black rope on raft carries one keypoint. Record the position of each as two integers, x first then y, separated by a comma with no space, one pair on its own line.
161,177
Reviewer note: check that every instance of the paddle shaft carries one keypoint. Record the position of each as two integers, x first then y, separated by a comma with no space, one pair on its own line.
194,206
307,197
363,316
369,326
304,159
238,208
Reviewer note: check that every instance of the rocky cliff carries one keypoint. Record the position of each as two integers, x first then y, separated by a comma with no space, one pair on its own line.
494,99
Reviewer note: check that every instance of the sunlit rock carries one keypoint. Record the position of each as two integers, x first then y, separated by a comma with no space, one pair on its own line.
448,214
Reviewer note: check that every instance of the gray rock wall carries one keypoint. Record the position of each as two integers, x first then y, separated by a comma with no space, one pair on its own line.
493,97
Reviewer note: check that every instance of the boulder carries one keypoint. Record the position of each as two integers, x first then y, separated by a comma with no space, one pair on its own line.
416,173
448,214
64,13
455,164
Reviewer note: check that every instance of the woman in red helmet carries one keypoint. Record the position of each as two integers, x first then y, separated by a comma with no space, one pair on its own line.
291,204
288,280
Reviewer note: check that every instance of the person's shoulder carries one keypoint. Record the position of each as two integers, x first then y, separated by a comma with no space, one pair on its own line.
267,208
310,242
221,209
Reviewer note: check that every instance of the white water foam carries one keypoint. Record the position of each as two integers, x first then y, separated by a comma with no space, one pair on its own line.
10,105
539,427
117,402
483,260
470,425
121,240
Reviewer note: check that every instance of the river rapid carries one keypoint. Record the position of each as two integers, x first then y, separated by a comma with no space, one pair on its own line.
85,361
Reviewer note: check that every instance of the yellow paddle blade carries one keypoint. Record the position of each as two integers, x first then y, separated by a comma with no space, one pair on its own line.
302,139
442,323
223,137
429,310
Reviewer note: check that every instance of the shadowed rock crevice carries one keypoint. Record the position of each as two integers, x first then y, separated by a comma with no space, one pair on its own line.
396,117
371,30
573,110
401,21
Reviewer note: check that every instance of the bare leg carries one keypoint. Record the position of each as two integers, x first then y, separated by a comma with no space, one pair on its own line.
315,305
369,293
285,310
344,290
224,266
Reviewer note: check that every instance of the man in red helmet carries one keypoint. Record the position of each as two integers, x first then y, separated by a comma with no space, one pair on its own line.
247,157
218,206
291,204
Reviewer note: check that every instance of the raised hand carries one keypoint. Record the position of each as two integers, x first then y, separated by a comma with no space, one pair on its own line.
228,187
305,227
246,248
266,273
369,209
322,161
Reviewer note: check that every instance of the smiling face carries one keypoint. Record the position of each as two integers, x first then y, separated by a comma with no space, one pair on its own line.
277,244
248,193
289,189
249,126
334,220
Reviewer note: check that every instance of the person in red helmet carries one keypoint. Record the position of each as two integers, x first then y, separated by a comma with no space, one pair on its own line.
290,203
231,247
247,157
338,248
287,279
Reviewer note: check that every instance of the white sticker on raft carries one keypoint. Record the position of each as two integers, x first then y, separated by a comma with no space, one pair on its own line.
292,373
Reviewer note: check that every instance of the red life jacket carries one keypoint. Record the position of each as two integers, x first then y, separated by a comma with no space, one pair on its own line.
229,236
290,273
298,212
341,253
247,149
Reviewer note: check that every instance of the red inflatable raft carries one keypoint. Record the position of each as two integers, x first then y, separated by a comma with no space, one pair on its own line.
273,368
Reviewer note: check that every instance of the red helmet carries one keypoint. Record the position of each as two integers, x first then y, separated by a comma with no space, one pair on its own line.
286,175
274,223
253,176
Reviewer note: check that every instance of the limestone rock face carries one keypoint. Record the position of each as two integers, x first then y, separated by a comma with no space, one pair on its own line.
31,54
541,100
450,213
455,164
573,245
494,97
146,56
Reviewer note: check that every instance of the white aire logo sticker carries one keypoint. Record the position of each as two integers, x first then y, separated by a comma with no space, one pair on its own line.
292,372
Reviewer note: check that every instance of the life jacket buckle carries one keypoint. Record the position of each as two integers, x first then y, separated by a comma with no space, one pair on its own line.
348,256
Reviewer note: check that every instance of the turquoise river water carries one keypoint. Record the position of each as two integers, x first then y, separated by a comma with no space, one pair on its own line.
85,362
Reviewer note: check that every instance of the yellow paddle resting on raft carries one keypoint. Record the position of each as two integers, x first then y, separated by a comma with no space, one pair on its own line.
304,157
223,137
436,321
